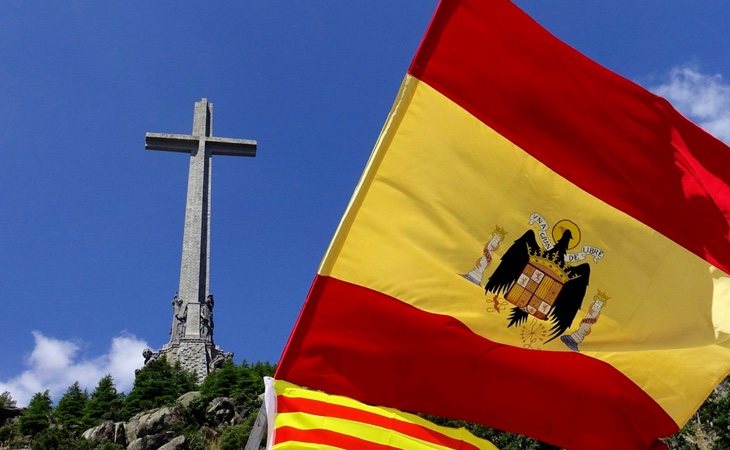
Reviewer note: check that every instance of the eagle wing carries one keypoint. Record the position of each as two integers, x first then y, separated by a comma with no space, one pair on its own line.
516,317
569,300
511,264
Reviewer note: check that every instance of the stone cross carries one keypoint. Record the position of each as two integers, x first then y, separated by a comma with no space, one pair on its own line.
193,291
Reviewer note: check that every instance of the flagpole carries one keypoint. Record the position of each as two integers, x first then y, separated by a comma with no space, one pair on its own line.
258,431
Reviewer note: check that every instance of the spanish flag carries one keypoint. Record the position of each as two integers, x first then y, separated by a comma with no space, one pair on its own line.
537,244
302,419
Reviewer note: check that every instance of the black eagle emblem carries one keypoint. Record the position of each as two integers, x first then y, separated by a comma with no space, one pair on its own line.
562,303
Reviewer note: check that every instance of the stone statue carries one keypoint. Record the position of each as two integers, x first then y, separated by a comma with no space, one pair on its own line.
206,318
176,303
220,359
181,315
149,356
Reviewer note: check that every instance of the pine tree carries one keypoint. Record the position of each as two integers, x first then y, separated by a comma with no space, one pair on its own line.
221,382
6,401
50,439
37,416
105,403
244,380
8,429
234,437
184,380
242,383
157,384
71,407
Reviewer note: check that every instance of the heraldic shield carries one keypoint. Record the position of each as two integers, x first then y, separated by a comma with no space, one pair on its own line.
537,287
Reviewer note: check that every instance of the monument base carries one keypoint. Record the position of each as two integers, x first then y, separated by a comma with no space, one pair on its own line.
195,355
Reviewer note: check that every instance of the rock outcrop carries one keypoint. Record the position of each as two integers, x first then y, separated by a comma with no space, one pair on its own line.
220,411
154,422
186,398
160,428
107,431
178,443
152,441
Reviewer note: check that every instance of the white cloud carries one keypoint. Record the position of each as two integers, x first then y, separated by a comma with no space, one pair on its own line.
702,97
55,365
51,354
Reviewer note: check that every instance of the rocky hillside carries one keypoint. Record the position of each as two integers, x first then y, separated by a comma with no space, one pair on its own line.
184,425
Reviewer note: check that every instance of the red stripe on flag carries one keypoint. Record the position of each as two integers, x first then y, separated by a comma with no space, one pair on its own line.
602,132
325,437
322,408
359,338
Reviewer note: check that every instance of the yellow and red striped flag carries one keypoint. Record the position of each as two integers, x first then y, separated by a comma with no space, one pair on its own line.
299,418
546,232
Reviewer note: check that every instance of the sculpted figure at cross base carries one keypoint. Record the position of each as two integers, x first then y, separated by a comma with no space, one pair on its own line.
149,356
206,318
181,318
220,359
179,314
176,304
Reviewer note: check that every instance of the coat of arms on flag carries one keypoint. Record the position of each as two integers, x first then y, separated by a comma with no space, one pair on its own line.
542,281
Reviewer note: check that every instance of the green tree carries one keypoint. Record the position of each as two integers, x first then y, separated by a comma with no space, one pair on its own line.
221,382
105,403
7,405
50,439
242,383
6,401
37,416
157,384
71,407
234,437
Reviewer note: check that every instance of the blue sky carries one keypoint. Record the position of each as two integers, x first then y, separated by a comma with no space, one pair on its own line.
91,224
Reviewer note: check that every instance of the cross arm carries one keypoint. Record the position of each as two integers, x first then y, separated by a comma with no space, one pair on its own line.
183,143
230,147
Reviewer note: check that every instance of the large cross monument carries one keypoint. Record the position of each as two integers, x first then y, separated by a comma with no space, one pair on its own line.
191,333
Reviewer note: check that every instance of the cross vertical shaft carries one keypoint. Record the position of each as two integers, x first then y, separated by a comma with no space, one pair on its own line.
194,267
191,334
